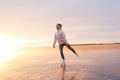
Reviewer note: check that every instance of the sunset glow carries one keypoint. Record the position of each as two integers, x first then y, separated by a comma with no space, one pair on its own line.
32,22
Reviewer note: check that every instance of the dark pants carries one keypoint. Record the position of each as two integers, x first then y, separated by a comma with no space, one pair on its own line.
68,46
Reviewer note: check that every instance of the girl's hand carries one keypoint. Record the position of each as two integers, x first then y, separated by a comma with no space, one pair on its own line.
53,46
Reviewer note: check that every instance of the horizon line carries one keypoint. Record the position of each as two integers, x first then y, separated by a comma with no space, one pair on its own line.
71,44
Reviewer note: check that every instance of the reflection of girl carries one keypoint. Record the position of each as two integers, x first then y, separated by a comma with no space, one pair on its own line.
72,77
63,72
61,38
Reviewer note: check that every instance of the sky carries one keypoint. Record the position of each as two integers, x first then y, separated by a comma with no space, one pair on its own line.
84,21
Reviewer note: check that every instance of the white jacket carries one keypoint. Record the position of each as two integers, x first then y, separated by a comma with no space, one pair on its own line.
60,37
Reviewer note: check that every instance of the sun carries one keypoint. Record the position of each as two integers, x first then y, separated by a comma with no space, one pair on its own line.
6,51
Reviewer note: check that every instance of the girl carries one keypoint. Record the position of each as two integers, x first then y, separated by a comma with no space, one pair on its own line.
61,38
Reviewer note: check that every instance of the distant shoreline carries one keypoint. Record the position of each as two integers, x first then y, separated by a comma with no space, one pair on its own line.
93,44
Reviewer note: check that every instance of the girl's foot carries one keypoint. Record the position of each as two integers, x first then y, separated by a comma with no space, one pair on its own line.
63,64
77,55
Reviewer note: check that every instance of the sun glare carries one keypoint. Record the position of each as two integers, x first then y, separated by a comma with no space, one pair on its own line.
6,51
